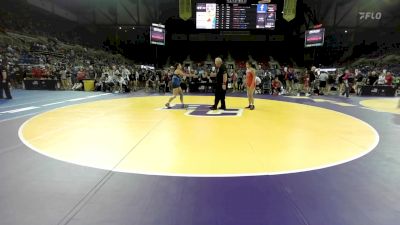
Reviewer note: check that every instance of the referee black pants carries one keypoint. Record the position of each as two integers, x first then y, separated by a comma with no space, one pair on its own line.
220,96
6,90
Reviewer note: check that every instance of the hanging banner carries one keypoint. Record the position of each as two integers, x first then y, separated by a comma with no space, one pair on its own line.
289,10
185,9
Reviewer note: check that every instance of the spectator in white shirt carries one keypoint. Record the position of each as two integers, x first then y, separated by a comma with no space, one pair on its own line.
323,78
382,78
109,82
124,78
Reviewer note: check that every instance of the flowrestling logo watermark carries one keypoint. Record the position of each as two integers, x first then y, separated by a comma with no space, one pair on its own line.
370,15
205,111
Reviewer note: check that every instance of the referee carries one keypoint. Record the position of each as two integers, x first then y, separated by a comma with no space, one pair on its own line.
4,82
220,88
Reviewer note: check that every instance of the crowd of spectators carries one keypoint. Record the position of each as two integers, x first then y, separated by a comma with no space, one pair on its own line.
71,65
115,74
54,62
19,17
333,81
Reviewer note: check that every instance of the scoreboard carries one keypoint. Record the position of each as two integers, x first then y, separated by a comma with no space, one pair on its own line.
157,34
235,16
314,37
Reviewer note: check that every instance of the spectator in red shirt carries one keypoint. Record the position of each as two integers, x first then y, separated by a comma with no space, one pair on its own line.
34,72
346,77
389,79
37,72
81,75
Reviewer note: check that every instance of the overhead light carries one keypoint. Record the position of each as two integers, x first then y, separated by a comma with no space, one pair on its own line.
120,28
133,28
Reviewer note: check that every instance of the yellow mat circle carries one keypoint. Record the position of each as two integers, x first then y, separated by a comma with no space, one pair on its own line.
134,135
390,105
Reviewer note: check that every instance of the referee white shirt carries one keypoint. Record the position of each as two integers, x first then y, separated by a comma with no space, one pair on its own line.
323,77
